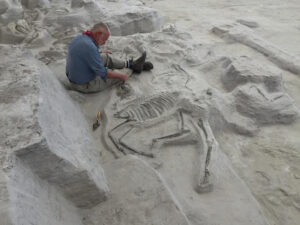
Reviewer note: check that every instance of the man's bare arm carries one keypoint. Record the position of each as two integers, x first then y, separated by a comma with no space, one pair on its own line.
113,75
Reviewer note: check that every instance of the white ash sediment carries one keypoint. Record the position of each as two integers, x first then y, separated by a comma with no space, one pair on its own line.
247,37
52,167
39,129
139,195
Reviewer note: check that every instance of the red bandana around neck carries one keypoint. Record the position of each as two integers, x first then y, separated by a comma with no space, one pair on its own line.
89,33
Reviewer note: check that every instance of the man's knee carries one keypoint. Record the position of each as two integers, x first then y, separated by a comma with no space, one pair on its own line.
105,59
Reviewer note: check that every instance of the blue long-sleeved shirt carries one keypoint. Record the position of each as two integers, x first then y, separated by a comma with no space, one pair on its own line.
84,61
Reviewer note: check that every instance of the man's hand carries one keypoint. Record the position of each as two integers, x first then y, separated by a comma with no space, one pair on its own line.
106,51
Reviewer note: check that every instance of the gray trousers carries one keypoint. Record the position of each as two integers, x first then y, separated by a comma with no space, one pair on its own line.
98,84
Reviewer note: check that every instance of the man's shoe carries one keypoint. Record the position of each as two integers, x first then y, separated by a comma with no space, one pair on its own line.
137,65
147,66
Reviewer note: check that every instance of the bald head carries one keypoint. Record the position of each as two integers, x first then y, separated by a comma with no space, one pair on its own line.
101,33
100,27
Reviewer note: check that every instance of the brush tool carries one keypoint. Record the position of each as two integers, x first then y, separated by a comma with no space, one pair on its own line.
97,123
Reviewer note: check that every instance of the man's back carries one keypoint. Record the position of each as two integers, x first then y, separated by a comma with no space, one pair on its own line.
84,61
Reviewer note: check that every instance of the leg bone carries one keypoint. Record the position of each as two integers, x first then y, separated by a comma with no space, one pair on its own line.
113,139
174,135
130,148
204,184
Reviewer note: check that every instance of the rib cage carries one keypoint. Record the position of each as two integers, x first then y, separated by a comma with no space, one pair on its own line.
143,109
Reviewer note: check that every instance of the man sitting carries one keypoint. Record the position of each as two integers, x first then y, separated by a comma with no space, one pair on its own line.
90,71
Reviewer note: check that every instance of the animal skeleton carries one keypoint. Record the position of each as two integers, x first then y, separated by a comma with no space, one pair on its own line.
157,108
